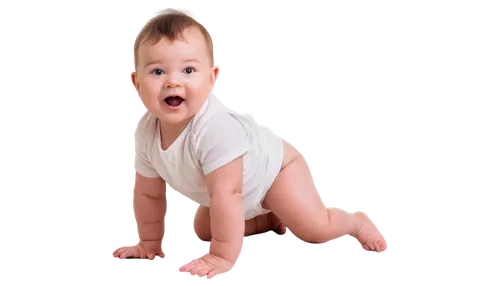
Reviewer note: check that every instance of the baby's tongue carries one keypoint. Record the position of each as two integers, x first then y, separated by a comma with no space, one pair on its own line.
174,101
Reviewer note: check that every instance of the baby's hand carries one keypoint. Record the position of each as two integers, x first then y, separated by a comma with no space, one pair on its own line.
209,265
144,249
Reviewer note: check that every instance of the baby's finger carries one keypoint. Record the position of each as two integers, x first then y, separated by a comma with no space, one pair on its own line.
129,253
197,269
151,256
182,268
201,271
142,252
124,254
213,273
117,252
190,265
162,254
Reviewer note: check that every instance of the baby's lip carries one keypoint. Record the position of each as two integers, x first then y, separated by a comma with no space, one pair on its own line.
172,95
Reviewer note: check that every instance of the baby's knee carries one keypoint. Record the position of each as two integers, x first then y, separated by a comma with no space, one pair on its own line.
314,233
202,224
314,238
202,232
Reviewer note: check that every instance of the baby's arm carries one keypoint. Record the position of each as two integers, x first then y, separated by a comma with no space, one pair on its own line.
150,203
150,207
227,221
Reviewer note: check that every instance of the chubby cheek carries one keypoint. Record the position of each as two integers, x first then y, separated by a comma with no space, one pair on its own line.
149,94
198,86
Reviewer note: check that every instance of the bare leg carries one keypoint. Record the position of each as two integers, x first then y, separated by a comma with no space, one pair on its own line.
259,224
294,199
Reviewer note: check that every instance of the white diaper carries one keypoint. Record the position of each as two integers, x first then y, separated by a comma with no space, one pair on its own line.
252,202
255,211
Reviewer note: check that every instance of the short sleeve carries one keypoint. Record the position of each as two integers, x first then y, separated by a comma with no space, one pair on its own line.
142,164
221,140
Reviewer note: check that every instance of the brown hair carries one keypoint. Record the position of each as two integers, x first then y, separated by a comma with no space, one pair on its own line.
170,23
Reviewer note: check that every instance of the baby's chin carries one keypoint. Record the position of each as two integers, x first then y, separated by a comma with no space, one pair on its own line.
179,117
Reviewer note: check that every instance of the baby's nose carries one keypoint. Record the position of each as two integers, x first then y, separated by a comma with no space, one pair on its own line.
171,81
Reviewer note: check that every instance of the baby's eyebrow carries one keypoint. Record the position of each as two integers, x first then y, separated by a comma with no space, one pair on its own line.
191,60
152,62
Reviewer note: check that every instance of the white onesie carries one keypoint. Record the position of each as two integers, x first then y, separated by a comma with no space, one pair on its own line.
214,137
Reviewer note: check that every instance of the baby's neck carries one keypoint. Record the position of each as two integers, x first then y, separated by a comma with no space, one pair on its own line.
169,133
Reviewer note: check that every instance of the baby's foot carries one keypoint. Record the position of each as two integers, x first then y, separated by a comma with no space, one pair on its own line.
276,225
368,234
263,224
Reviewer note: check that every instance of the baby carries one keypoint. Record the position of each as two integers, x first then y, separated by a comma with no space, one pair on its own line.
246,179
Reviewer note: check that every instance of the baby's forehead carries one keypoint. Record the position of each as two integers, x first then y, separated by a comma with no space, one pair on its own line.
191,36
187,47
181,47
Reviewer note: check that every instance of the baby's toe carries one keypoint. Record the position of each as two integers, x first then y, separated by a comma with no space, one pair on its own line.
368,246
282,228
381,245
385,246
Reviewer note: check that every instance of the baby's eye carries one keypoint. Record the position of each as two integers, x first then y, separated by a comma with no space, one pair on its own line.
189,70
157,72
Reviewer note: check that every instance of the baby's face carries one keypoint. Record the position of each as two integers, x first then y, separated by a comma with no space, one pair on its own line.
174,79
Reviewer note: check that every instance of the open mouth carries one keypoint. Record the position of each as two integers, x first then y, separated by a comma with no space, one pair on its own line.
174,101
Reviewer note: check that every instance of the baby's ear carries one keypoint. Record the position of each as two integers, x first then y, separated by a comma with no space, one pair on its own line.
214,73
132,78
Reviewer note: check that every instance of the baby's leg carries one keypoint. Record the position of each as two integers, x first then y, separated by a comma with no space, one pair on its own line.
202,223
293,198
259,224
264,223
